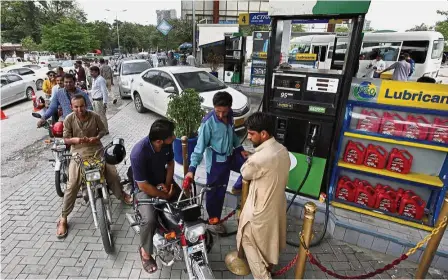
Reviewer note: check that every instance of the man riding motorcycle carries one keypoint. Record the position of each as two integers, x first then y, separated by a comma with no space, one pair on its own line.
62,98
83,130
152,179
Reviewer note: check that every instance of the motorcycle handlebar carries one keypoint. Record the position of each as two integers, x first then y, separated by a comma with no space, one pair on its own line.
150,201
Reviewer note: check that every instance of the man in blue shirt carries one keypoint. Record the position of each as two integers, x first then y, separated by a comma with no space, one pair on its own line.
63,98
411,62
223,152
152,179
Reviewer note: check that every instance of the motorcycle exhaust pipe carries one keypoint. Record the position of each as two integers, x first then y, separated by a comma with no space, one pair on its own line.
133,223
92,204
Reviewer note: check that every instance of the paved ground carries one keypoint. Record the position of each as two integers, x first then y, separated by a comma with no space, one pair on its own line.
29,211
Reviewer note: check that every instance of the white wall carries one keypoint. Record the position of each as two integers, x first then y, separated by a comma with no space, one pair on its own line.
209,33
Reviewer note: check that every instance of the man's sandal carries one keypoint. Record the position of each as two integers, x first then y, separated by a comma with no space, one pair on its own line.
127,199
59,225
150,265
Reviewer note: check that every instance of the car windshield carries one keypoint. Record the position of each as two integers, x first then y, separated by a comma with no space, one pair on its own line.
200,81
135,67
67,64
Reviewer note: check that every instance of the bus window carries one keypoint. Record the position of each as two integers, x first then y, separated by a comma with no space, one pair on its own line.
437,49
416,49
389,50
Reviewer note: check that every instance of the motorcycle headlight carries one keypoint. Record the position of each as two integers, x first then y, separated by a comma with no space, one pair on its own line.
93,176
192,233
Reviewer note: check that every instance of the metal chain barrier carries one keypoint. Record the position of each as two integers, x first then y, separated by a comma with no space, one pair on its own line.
286,268
411,251
232,213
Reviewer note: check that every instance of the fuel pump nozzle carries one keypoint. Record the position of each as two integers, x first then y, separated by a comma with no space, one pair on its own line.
311,142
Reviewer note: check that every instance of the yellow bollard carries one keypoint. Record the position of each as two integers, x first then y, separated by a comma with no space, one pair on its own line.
433,243
184,140
236,263
307,231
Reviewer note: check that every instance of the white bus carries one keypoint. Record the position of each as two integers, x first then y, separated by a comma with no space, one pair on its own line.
424,47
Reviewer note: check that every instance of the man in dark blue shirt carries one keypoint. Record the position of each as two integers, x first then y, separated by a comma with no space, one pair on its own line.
153,169
411,62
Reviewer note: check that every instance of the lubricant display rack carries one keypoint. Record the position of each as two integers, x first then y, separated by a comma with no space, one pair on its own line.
427,177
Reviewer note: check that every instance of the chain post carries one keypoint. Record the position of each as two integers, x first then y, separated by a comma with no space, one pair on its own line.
236,261
307,231
434,242
184,140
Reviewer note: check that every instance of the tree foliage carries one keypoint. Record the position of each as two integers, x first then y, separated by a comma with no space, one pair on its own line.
421,27
442,26
68,36
341,29
29,44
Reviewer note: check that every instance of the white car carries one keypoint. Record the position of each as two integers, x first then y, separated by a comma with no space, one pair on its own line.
150,90
68,66
14,88
48,61
37,76
127,71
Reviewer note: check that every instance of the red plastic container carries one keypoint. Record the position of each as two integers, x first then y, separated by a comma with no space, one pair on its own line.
401,193
386,200
354,152
346,189
439,131
392,124
365,194
376,157
412,206
416,127
370,121
400,161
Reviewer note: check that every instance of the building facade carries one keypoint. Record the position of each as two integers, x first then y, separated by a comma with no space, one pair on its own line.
165,15
221,11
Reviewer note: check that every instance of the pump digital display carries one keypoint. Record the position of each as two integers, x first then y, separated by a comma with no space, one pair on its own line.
288,86
322,84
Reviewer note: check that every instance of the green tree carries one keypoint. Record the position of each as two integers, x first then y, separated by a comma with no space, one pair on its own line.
341,29
442,26
421,27
29,44
297,28
68,36
101,31
19,19
56,11
248,30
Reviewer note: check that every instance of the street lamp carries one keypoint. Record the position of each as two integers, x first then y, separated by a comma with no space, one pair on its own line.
116,19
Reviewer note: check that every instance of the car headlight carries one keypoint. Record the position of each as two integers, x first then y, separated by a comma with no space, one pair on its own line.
194,232
93,176
125,83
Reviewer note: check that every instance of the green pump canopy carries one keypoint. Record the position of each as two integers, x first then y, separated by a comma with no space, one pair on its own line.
317,7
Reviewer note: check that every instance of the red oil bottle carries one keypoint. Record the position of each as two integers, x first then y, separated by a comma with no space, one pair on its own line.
386,200
401,193
392,124
346,189
365,194
412,206
376,157
370,121
439,131
400,161
416,127
354,152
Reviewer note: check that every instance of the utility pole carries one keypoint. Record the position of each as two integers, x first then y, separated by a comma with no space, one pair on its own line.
194,31
116,20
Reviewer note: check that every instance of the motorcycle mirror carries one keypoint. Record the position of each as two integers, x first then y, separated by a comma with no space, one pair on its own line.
36,115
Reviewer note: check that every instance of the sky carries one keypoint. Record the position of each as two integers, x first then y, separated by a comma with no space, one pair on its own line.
397,15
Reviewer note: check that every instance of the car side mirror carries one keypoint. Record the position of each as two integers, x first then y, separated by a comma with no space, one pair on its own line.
170,90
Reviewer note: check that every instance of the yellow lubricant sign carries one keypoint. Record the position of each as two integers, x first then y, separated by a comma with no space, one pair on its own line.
306,57
410,94
243,19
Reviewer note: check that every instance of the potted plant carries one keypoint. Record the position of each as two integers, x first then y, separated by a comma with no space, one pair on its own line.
214,61
184,109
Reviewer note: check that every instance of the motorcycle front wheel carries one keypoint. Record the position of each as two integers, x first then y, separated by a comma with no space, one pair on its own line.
104,226
61,179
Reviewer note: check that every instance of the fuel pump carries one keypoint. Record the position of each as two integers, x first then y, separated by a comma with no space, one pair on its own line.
306,99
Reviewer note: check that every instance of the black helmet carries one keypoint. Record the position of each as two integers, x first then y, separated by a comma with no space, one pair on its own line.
115,152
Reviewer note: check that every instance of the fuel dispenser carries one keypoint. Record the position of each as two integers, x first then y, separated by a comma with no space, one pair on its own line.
307,103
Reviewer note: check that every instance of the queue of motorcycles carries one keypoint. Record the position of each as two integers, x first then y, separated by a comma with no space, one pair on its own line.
182,233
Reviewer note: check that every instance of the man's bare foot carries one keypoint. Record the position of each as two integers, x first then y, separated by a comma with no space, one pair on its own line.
62,228
148,262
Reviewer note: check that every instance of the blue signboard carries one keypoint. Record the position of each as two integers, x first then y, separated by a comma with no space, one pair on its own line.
164,27
259,18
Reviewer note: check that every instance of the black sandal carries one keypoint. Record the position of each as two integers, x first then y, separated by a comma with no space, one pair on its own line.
150,265
65,233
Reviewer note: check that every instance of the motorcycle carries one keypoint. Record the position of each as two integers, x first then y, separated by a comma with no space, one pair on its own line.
96,192
181,232
61,154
